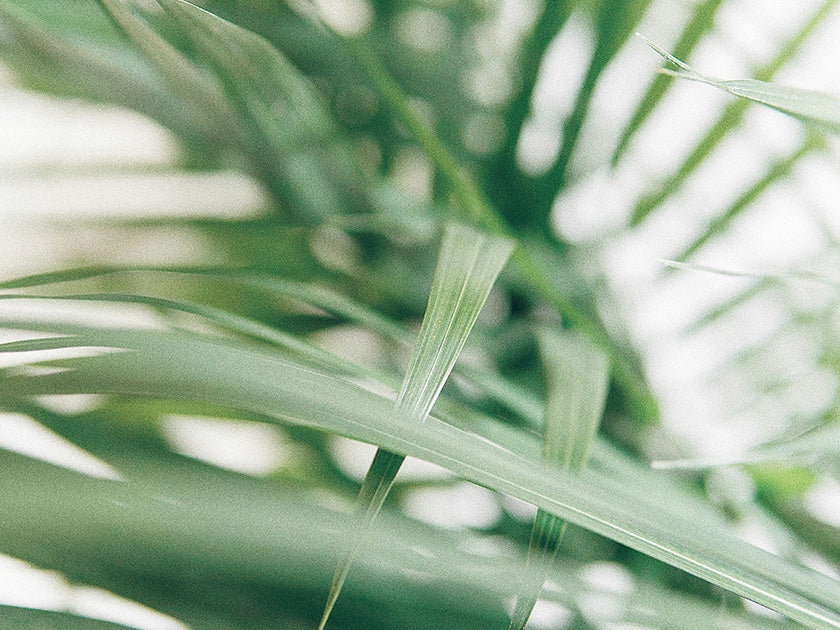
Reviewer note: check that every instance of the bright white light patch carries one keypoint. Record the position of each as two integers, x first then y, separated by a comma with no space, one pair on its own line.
600,608
519,509
49,133
348,17
21,584
352,458
492,547
548,614
424,30
562,70
72,403
818,563
462,505
757,535
335,249
100,604
823,501
82,313
609,577
490,83
758,609
246,447
26,586
595,205
538,146
21,434
65,196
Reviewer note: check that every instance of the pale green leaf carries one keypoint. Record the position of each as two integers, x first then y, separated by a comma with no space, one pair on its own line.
606,458
616,24
225,319
71,275
546,536
242,530
809,447
249,64
731,117
701,22
577,376
314,295
468,264
329,300
516,398
176,365
772,276
806,105
42,55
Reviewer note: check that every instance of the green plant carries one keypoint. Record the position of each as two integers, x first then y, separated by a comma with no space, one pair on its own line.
319,112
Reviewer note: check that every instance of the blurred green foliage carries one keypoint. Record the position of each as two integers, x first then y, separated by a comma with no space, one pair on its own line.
340,262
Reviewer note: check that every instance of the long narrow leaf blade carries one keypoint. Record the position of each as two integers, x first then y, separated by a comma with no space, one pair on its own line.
765,276
501,390
225,319
505,392
175,366
468,264
816,444
546,535
273,535
702,21
467,267
516,398
806,105
250,64
577,375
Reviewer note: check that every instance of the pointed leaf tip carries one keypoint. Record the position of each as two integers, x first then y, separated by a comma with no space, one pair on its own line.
818,108
468,264
577,377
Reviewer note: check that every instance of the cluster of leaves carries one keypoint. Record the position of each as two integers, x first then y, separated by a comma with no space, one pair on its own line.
315,116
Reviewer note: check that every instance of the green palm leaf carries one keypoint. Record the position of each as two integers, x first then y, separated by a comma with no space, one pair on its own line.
729,120
577,376
246,532
176,365
468,264
809,106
